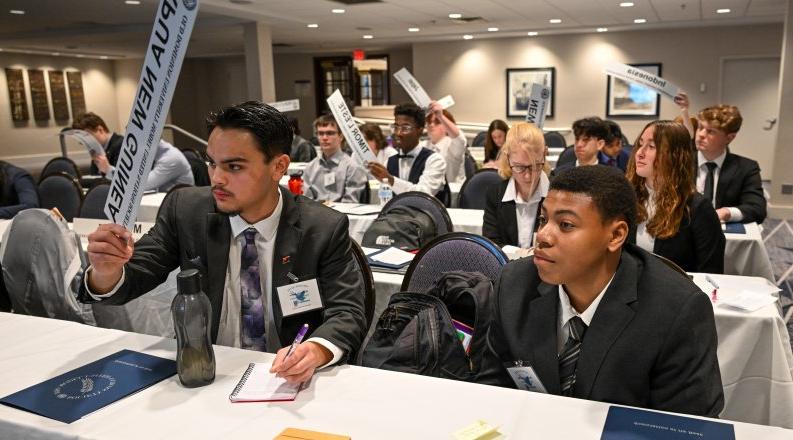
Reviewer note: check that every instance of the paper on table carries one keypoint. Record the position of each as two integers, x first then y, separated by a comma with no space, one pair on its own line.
356,208
368,250
393,256
259,385
746,300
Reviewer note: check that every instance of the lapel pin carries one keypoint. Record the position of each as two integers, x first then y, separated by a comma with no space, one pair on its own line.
285,259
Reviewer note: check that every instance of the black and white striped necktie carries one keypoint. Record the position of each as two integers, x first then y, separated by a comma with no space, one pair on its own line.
568,360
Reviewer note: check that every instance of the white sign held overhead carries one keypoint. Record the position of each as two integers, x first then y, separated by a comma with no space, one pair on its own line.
414,89
291,105
446,102
538,104
173,25
642,77
349,128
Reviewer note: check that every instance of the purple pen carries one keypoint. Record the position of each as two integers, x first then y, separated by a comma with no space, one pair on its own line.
298,339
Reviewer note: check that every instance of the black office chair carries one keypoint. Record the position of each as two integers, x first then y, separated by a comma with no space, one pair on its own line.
672,265
94,201
455,251
60,165
566,156
427,203
62,191
469,164
474,190
366,194
368,281
199,169
191,152
479,139
553,139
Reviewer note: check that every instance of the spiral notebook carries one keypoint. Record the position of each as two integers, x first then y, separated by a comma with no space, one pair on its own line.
259,385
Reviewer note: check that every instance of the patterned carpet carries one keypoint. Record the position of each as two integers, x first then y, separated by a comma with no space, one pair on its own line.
778,237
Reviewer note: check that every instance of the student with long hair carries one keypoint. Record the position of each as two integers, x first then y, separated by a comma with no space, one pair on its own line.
496,135
674,220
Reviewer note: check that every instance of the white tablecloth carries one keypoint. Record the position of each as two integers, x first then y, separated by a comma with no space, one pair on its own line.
754,352
361,402
745,254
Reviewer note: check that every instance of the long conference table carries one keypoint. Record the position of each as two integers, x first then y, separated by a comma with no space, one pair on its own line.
363,403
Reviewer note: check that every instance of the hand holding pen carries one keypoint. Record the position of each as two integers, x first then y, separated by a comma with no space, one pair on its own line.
714,294
298,362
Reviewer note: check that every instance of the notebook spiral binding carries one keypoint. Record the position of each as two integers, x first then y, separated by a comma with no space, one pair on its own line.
242,381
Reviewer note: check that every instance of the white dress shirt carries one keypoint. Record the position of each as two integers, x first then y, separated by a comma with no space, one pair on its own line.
643,238
431,180
526,211
594,162
453,152
567,312
702,174
384,153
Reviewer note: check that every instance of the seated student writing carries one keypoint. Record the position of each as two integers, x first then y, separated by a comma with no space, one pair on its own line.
594,317
512,207
415,168
731,182
675,221
494,140
249,237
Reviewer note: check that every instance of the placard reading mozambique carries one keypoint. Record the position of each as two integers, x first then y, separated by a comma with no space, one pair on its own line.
167,46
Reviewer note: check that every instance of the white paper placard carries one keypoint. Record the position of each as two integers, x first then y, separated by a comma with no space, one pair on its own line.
446,102
538,104
85,226
642,77
88,141
291,105
349,128
414,89
173,25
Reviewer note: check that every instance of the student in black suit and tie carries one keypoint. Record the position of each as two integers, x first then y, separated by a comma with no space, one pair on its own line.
513,206
675,221
596,318
225,231
731,182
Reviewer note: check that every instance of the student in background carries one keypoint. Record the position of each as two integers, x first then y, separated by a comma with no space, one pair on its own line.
302,150
17,191
674,221
612,153
590,137
589,316
513,206
496,135
377,142
447,140
731,182
170,168
111,142
333,175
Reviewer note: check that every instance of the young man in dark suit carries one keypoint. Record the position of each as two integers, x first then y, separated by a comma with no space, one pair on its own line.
110,141
227,230
593,317
731,182
591,135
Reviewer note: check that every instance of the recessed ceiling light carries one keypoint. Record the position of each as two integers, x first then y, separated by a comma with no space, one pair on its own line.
368,37
104,57
132,2
17,12
338,11
413,29
533,34
723,11
79,55
640,21
455,16
555,20
603,29
492,29
626,4
468,37
312,25
56,54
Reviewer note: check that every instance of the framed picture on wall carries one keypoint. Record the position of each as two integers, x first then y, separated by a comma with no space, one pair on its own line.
519,83
630,100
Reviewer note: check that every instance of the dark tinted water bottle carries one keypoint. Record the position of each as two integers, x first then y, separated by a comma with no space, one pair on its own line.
192,315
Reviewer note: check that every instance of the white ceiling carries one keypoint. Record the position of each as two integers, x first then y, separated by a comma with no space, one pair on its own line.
112,28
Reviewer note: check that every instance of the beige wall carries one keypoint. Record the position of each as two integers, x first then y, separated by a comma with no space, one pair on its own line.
781,205
474,71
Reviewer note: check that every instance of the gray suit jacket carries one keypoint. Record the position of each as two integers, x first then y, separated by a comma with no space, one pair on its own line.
651,343
312,242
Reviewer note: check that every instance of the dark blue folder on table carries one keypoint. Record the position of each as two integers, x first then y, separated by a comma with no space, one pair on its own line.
74,394
734,228
638,424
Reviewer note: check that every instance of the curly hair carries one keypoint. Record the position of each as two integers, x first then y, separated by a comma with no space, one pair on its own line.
673,178
724,117
491,149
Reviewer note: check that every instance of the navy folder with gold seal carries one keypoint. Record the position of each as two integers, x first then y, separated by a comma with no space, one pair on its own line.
81,391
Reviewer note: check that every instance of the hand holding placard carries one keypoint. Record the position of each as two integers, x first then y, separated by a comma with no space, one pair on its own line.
349,128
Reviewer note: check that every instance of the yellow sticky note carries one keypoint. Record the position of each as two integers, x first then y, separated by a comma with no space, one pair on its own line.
479,430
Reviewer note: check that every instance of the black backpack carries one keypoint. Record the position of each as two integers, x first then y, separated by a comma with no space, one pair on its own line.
415,333
403,227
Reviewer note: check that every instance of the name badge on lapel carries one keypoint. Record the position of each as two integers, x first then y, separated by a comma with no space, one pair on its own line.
299,297
526,379
330,179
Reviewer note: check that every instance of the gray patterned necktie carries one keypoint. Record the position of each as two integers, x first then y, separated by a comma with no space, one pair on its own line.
568,360
252,313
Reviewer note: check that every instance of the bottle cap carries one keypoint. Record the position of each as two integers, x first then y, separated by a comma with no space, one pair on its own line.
296,174
188,281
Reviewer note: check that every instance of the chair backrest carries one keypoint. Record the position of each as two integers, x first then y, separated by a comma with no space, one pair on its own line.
474,190
469,165
366,194
94,202
42,267
456,251
60,165
368,281
61,191
190,152
427,203
553,139
200,170
566,156
479,139
671,264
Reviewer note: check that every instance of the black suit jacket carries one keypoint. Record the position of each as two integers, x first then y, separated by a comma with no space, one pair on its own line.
740,186
112,151
312,242
500,222
651,343
17,190
699,243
